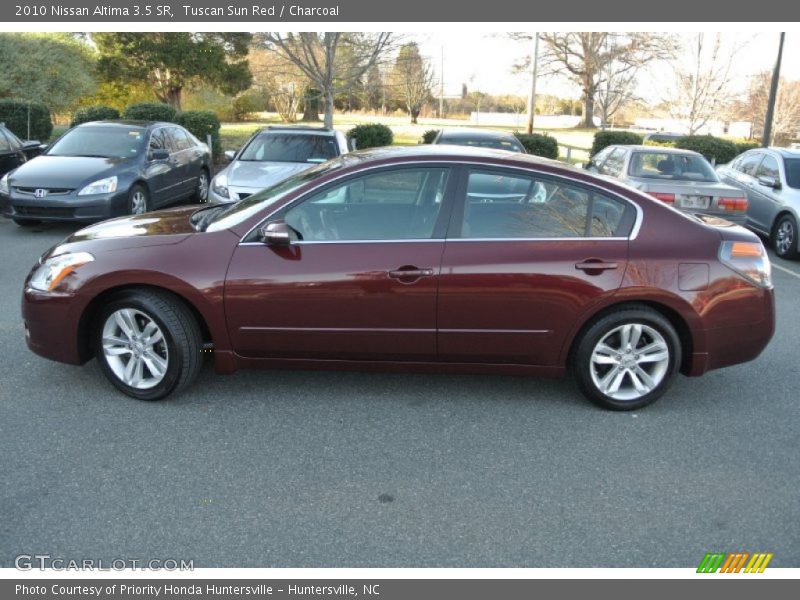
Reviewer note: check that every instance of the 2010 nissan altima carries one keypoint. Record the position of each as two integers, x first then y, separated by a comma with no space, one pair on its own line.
428,258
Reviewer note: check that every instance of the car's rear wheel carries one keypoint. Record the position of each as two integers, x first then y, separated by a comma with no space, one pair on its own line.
784,237
138,200
201,192
148,344
27,222
627,359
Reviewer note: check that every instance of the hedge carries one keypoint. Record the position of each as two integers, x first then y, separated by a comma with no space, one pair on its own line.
745,146
202,123
429,136
97,112
150,111
603,139
539,144
716,150
15,115
371,136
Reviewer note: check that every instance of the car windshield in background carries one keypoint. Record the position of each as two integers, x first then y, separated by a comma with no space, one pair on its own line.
793,173
278,147
104,142
671,166
495,143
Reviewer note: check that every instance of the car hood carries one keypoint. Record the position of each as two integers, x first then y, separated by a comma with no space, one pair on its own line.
68,172
256,174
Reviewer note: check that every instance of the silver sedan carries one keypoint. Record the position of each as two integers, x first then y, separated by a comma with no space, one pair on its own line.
771,179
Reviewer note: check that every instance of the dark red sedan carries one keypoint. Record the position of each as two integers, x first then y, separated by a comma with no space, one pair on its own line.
433,258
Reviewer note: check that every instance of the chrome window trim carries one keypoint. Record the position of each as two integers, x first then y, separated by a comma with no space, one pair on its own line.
637,224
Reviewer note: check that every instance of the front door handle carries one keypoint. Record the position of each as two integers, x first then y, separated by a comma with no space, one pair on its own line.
595,264
410,274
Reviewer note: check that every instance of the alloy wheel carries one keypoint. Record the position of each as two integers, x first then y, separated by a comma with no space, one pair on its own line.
135,348
202,187
138,203
784,237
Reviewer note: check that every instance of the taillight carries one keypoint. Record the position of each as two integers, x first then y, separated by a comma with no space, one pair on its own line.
668,198
748,259
733,204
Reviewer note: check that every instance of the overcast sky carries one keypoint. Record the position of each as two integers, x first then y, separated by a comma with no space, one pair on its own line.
483,62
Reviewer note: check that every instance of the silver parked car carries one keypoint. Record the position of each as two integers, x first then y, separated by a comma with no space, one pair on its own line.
272,155
680,178
480,138
771,179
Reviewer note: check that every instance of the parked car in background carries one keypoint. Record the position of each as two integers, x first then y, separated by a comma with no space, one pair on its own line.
431,258
14,152
681,178
107,169
662,136
480,138
271,155
771,180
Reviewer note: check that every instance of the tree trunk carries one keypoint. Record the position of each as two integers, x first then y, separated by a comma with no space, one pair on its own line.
311,105
588,108
414,112
328,109
172,96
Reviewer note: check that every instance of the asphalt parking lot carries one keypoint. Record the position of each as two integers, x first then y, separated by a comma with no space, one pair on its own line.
306,469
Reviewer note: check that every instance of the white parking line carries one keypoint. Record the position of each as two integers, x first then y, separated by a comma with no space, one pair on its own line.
785,270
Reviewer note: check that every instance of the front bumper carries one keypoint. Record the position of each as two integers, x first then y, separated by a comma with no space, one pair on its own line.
66,207
52,325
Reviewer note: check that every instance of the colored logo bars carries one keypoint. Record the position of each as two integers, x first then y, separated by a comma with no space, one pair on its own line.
734,562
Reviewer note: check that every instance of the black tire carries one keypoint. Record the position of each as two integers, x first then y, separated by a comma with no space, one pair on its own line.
662,372
200,196
181,334
785,248
138,194
27,222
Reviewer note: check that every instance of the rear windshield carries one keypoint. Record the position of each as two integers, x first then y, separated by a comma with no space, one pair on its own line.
286,147
793,173
479,142
671,166
104,142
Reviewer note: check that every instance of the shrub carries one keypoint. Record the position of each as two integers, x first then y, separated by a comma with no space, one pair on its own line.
539,144
371,136
15,115
715,149
662,144
745,146
245,105
202,123
150,111
429,136
611,138
94,113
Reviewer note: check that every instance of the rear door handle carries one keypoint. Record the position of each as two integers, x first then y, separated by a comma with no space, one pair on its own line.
595,265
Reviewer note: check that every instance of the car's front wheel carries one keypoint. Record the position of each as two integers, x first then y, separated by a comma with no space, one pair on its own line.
138,200
627,359
201,192
148,344
784,237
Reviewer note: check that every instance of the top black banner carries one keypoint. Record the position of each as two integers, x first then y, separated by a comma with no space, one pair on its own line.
336,11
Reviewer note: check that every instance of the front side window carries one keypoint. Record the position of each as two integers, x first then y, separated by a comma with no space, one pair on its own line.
613,165
769,168
507,206
750,163
671,165
180,139
5,146
292,148
395,204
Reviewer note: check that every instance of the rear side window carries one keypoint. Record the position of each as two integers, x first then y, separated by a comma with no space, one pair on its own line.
792,166
180,139
512,206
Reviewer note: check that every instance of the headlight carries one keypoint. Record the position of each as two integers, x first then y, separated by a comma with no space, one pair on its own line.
53,270
101,186
4,185
220,185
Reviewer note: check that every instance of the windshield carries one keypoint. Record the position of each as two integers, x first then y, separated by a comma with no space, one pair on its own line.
671,166
482,142
242,210
292,148
793,173
103,142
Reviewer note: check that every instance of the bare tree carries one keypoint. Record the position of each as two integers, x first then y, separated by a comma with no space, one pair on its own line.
702,83
584,57
786,119
281,81
332,61
616,91
411,79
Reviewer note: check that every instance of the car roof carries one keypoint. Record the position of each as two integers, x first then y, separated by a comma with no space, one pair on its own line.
659,149
784,152
467,132
125,123
299,129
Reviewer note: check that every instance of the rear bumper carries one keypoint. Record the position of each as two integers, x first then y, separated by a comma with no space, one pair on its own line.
69,207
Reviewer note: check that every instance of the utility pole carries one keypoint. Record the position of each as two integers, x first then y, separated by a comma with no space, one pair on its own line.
773,94
534,69
441,86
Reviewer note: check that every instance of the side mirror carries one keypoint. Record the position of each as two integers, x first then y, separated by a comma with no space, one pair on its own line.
275,233
229,155
352,144
770,182
159,154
